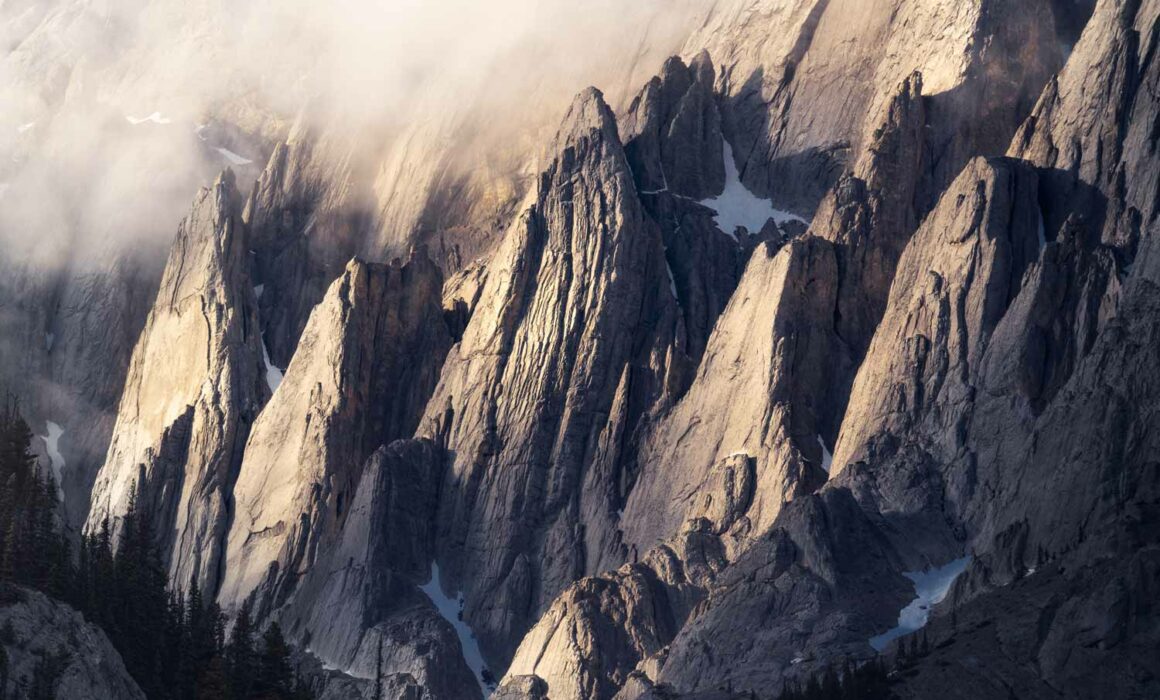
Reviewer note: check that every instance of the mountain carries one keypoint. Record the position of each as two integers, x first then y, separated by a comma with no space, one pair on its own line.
830,345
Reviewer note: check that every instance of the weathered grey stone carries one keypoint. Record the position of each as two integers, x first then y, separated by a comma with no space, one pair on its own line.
367,362
38,628
193,390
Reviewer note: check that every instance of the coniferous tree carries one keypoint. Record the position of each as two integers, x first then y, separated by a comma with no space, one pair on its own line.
275,676
379,670
4,673
172,643
240,658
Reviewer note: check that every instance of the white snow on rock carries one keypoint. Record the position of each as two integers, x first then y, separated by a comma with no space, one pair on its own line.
737,206
273,374
931,587
49,339
155,118
52,445
233,158
452,610
672,280
259,289
827,457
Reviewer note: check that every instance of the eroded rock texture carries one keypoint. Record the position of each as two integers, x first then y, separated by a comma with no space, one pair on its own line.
359,607
571,337
367,362
193,390
38,628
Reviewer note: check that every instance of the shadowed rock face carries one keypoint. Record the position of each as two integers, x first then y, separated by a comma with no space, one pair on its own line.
366,364
38,627
761,365
621,463
1001,408
802,79
193,390
68,336
675,148
358,606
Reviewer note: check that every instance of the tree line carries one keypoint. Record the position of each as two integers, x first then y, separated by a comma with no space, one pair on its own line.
173,643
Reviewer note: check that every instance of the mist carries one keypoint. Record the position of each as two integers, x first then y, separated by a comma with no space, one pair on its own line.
116,111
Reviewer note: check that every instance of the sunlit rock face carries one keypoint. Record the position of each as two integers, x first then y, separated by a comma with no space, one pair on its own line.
367,362
997,398
194,388
570,335
800,79
837,334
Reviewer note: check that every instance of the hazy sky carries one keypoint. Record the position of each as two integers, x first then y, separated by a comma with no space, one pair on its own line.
78,179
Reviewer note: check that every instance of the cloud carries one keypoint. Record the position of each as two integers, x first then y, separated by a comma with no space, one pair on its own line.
118,93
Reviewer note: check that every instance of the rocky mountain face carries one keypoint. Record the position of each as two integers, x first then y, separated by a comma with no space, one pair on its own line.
194,388
368,360
844,326
41,631
573,333
1004,316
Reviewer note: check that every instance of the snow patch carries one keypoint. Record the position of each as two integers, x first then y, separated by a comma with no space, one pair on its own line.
672,280
233,158
273,374
25,127
827,458
55,458
737,206
931,588
452,610
259,289
155,118
49,339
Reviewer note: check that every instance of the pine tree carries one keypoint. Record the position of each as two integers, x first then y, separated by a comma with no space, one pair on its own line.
240,659
379,670
4,673
275,676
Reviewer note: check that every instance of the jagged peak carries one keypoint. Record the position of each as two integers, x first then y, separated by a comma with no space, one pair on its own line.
589,113
702,68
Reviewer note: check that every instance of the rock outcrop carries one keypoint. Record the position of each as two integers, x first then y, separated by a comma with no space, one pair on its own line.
571,339
305,212
675,148
42,633
358,606
366,365
750,410
193,390
801,81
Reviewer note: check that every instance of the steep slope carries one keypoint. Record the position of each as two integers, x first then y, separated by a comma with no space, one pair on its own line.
801,77
762,363
305,213
367,362
68,335
819,573
193,390
570,339
675,148
796,327
359,606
